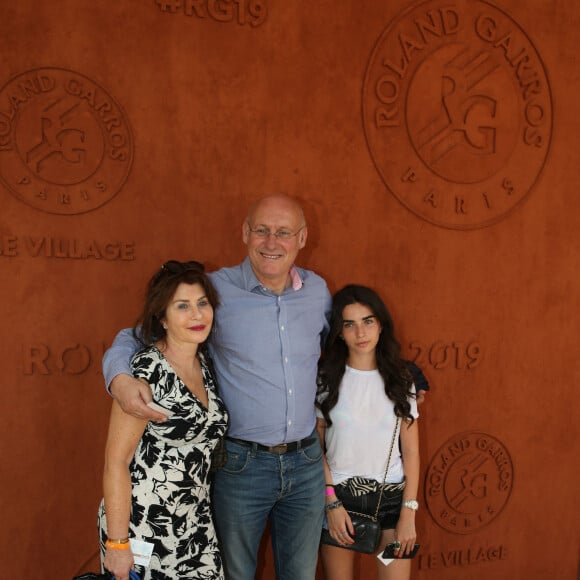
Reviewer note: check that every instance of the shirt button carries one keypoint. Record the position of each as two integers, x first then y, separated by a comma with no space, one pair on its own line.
289,422
290,391
285,359
282,328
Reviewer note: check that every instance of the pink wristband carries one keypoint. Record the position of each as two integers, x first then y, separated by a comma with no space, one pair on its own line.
329,491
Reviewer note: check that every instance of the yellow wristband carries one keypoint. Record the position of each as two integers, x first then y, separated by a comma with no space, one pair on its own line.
114,545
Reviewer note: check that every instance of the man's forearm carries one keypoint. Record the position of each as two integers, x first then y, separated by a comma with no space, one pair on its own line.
117,359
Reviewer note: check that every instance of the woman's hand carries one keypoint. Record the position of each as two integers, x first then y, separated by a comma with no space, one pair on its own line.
405,532
340,526
119,562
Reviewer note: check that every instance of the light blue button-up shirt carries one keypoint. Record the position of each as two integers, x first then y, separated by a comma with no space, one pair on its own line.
265,348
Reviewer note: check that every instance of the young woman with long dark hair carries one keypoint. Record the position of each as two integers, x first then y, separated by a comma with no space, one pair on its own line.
364,387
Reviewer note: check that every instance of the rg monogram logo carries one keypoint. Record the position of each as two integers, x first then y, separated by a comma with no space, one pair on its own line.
65,144
468,482
457,112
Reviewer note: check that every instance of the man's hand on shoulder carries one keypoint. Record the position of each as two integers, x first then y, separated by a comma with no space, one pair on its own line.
133,395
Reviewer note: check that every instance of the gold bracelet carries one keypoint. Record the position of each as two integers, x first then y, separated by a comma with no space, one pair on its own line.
121,541
112,545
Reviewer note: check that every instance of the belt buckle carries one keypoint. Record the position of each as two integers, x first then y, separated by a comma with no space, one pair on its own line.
279,449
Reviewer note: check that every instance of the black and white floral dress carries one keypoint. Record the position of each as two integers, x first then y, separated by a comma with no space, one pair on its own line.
170,476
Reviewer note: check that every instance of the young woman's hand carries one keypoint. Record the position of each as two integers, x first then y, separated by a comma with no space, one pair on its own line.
405,532
340,526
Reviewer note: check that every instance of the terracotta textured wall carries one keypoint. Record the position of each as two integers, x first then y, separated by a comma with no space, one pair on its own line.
435,147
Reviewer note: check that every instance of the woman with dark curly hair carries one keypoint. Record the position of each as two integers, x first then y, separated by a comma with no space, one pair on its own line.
365,392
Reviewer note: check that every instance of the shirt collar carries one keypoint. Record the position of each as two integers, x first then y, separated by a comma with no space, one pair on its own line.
296,279
252,283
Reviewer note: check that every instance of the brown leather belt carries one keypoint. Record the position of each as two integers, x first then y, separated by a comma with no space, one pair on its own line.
277,449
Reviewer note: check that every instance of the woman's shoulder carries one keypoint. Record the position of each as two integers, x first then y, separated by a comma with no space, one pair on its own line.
146,357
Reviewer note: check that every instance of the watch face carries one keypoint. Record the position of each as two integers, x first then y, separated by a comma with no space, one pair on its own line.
412,504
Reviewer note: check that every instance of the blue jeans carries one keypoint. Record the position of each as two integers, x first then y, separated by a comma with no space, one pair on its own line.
255,485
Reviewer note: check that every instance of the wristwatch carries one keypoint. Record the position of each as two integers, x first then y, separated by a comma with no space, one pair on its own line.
412,504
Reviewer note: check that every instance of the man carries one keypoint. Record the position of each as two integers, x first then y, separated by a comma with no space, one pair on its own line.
265,346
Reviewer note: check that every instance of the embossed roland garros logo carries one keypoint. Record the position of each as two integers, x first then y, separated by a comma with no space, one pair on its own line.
457,112
468,482
65,144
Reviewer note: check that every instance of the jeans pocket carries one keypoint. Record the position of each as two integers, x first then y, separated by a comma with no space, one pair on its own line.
238,458
313,452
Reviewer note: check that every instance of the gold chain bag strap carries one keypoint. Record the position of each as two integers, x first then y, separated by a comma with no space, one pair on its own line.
367,529
375,517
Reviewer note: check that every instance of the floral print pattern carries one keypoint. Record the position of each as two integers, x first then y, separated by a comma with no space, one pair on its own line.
170,476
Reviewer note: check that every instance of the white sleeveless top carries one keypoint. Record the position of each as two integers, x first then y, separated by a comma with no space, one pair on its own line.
363,419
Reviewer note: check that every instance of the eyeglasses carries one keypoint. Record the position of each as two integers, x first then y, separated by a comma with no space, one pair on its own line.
264,233
175,267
